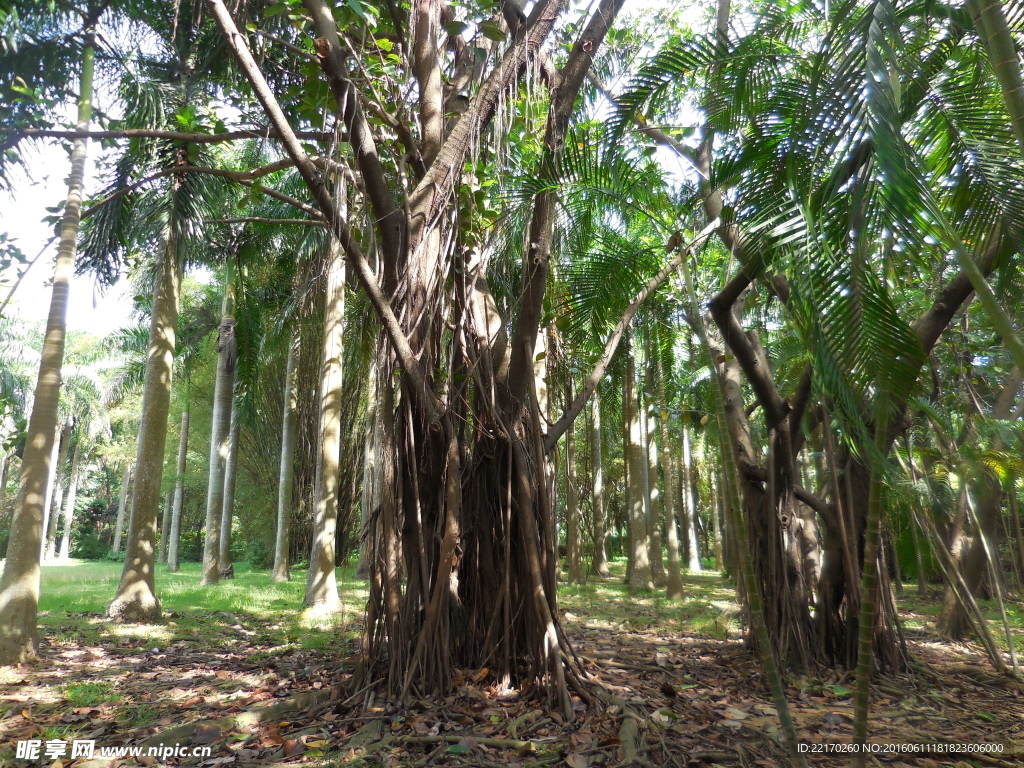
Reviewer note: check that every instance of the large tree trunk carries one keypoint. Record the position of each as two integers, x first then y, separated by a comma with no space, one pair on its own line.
321,585
136,598
220,429
69,505
440,566
639,566
19,585
286,472
600,563
227,568
122,505
674,585
174,536
51,515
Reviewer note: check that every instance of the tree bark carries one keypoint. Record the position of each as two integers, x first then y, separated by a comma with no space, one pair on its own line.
286,472
69,505
227,568
19,585
136,598
321,585
220,429
174,538
165,524
600,563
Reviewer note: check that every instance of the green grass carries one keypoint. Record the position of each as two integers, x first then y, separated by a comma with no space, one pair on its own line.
74,598
86,694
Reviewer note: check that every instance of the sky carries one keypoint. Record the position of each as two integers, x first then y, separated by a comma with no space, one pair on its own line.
21,215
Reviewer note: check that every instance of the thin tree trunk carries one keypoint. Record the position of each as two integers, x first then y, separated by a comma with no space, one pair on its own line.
227,568
286,473
122,504
640,565
994,30
165,524
220,429
51,513
674,585
174,537
600,564
136,598
321,585
19,585
573,529
716,520
3,481
652,495
693,548
69,505
1015,512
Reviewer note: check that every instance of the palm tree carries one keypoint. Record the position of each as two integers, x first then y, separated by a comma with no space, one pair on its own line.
19,585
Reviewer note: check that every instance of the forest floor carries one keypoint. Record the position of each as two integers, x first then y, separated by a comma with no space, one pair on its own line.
235,669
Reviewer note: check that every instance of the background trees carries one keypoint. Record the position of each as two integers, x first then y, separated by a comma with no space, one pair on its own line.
442,230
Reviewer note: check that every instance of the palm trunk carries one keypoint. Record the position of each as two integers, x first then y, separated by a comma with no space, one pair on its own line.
19,585
716,520
322,586
652,496
286,474
227,568
3,482
54,504
220,430
600,564
639,556
165,524
674,586
174,537
136,598
693,547
69,505
573,537
122,504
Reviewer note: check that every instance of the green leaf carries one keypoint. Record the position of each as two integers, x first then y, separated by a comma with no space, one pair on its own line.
456,28
492,31
275,10
841,690
459,749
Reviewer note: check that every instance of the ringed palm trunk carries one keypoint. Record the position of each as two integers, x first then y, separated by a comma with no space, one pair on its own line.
220,430
286,474
19,585
122,505
639,555
652,497
321,585
674,586
693,543
174,537
573,539
600,564
53,504
69,505
136,598
227,568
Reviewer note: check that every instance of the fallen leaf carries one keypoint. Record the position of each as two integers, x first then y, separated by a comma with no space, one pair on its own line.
206,734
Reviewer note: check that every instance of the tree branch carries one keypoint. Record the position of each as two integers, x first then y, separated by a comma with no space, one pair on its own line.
146,133
410,364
